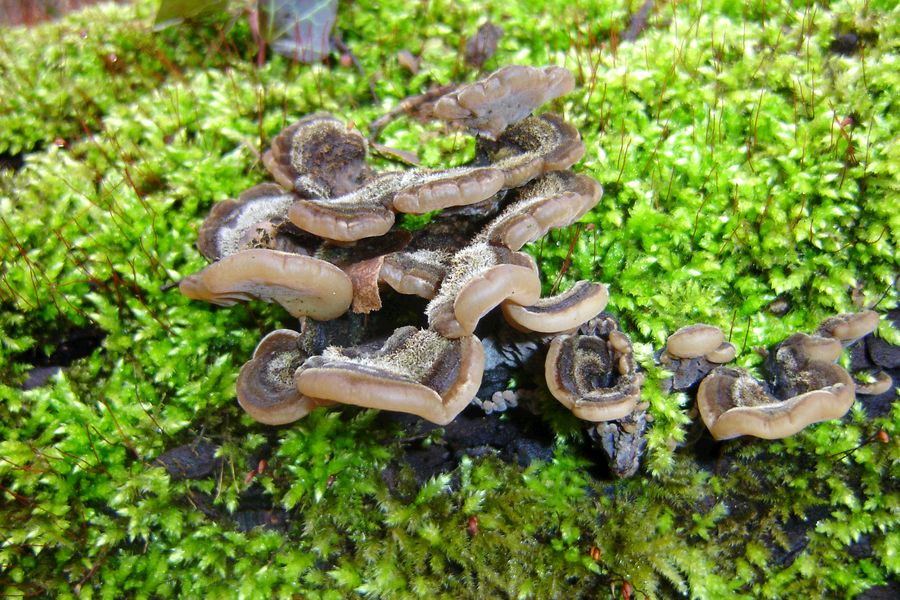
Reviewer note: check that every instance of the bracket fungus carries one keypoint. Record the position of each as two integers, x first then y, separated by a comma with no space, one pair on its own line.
318,156
691,353
594,374
733,403
848,328
265,384
806,387
303,285
415,371
506,96
324,241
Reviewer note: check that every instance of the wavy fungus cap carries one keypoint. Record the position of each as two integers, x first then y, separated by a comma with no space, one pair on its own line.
265,384
594,376
319,157
303,285
558,313
478,279
415,371
732,403
257,219
848,328
506,96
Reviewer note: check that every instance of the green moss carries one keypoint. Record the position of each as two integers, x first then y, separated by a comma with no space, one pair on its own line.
733,177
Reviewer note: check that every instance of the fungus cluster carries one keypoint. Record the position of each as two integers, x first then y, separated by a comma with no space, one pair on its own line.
804,383
323,242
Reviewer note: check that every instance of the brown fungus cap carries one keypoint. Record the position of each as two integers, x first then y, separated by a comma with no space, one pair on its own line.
478,279
256,219
732,403
534,146
723,354
415,371
303,285
801,348
506,96
418,273
594,377
880,385
369,210
695,340
557,199
848,328
265,385
430,190
319,157
359,214
559,313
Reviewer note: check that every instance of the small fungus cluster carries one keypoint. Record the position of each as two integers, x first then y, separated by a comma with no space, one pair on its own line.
324,241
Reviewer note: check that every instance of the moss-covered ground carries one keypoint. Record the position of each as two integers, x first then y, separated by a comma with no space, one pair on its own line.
749,152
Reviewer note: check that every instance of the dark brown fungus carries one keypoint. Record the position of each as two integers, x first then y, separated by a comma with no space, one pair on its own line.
419,272
318,157
506,96
265,385
415,371
303,285
595,377
559,313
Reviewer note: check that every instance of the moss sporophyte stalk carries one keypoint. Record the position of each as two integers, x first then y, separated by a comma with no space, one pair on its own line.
746,157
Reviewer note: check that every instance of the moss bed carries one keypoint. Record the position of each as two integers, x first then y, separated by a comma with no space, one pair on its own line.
749,153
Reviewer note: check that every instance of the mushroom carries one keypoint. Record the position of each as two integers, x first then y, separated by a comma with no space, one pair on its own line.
723,354
319,157
694,341
418,272
257,219
369,210
265,384
848,328
882,383
732,403
559,313
478,279
416,371
533,146
594,376
691,353
557,199
506,96
305,286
